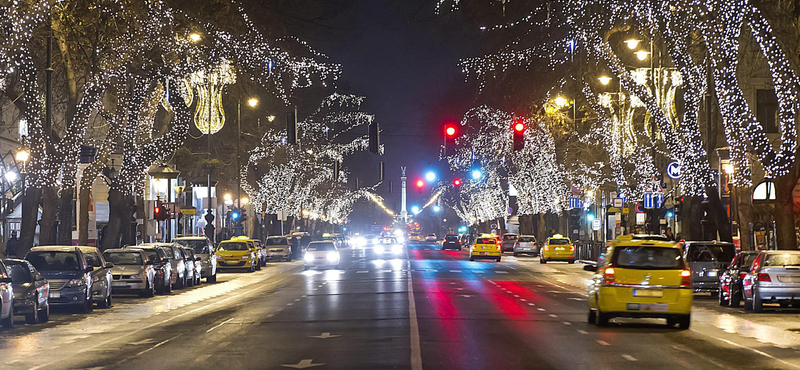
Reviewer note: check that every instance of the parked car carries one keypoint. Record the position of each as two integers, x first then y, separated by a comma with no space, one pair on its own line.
31,291
204,249
6,298
133,271
259,252
774,277
730,283
508,242
279,248
194,262
101,276
164,275
708,261
68,273
176,263
321,254
526,244
451,242
236,254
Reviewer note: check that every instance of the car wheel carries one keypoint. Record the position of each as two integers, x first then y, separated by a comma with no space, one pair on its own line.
542,261
571,262
8,322
44,315
107,301
592,317
602,318
305,268
684,322
33,317
784,304
735,300
722,301
516,254
87,306
498,259
258,265
212,279
471,258
190,282
758,304
748,305
103,303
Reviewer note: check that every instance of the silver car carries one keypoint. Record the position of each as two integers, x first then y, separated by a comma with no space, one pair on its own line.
204,249
321,254
774,277
192,265
177,265
708,260
278,248
526,244
101,276
6,298
133,272
188,264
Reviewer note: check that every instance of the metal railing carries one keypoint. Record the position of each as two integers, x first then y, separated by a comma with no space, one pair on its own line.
589,251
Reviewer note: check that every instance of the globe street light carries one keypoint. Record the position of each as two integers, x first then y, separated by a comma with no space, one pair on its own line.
476,174
195,37
605,80
430,176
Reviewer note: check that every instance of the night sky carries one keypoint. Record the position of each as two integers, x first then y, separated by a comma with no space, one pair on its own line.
404,59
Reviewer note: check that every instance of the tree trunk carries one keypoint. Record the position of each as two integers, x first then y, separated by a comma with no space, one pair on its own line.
83,216
30,215
47,225
784,210
745,215
65,211
541,235
693,215
718,212
119,220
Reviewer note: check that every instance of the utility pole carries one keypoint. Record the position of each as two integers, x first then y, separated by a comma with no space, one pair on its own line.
403,210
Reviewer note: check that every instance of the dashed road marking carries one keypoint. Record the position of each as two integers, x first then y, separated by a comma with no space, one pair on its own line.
567,323
602,343
629,358
540,309
501,272
523,299
584,332
220,324
202,358
531,304
552,315
455,270
361,272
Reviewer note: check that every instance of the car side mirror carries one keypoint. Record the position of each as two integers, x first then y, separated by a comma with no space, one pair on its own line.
589,268
109,265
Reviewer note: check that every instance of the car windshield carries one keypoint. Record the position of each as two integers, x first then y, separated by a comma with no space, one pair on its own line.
124,258
277,241
510,237
92,259
153,254
554,241
54,261
486,241
782,259
388,241
320,247
19,272
526,239
648,258
199,246
233,246
711,252
451,238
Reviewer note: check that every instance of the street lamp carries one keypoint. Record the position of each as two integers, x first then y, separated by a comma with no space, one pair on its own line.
642,55
430,176
270,118
605,80
560,101
632,43
252,102
195,37
22,156
476,174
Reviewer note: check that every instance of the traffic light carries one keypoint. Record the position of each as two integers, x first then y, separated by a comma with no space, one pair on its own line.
157,212
519,134
291,128
456,182
374,137
160,212
420,184
450,132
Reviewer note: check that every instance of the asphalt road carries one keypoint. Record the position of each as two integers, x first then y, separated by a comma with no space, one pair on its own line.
516,314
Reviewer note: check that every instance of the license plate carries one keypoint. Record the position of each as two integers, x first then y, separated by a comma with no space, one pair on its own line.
119,284
483,253
648,293
55,294
559,248
788,279
711,273
651,307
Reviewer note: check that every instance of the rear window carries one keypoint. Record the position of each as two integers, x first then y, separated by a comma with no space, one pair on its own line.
711,252
54,261
558,241
451,238
277,241
779,260
233,246
321,247
647,258
526,239
486,241
510,237
199,246
124,258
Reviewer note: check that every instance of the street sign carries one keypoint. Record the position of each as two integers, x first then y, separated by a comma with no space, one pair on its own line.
640,218
574,202
658,199
648,201
281,215
674,170
617,202
189,211
596,224
576,190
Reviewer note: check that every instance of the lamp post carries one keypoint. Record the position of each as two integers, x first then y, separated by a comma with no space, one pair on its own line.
22,155
252,102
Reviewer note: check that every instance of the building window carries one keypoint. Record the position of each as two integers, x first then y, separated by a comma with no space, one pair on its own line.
767,110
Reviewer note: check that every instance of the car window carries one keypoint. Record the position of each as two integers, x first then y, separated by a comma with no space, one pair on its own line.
251,245
510,237
277,241
233,246
321,246
782,259
124,258
451,238
648,258
54,261
199,246
486,241
3,273
526,239
93,259
747,261
176,253
19,272
554,241
152,254
711,252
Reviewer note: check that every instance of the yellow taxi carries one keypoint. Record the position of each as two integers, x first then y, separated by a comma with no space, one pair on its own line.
486,246
641,278
256,247
557,248
236,253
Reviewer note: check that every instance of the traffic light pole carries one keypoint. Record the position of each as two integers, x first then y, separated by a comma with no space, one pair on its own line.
208,208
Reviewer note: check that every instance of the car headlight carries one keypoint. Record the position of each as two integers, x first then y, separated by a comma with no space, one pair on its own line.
76,282
308,257
378,249
333,256
134,276
396,249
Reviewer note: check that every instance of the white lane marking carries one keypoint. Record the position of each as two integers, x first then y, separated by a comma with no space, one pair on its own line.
202,358
531,304
465,296
220,324
516,295
756,351
459,288
290,304
567,323
324,336
361,272
603,343
159,344
416,352
479,271
629,358
523,299
224,344
501,272
577,299
297,300
303,364
540,309
455,270
552,315
584,332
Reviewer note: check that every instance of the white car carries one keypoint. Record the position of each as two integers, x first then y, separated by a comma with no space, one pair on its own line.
431,238
388,247
321,254
6,298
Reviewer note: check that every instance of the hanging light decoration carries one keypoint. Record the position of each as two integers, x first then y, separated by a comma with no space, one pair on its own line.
209,87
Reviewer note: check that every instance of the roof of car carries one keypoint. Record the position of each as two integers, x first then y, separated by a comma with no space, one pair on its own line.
190,238
54,248
706,242
782,252
15,260
149,245
646,243
121,250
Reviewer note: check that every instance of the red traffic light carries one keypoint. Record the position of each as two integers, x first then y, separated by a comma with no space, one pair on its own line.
420,183
519,126
450,131
156,210
457,182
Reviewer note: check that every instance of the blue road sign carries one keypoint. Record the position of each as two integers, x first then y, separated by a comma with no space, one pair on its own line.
648,201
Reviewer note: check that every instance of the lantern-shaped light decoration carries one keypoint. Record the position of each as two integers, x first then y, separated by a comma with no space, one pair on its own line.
208,88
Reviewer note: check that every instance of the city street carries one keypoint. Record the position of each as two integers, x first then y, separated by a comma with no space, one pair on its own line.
516,314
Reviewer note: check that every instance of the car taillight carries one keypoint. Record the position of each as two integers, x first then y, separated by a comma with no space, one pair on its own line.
764,277
742,275
608,276
686,278
498,247
571,248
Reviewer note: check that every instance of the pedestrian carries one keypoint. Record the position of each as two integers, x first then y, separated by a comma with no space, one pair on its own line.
12,246
295,245
669,234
